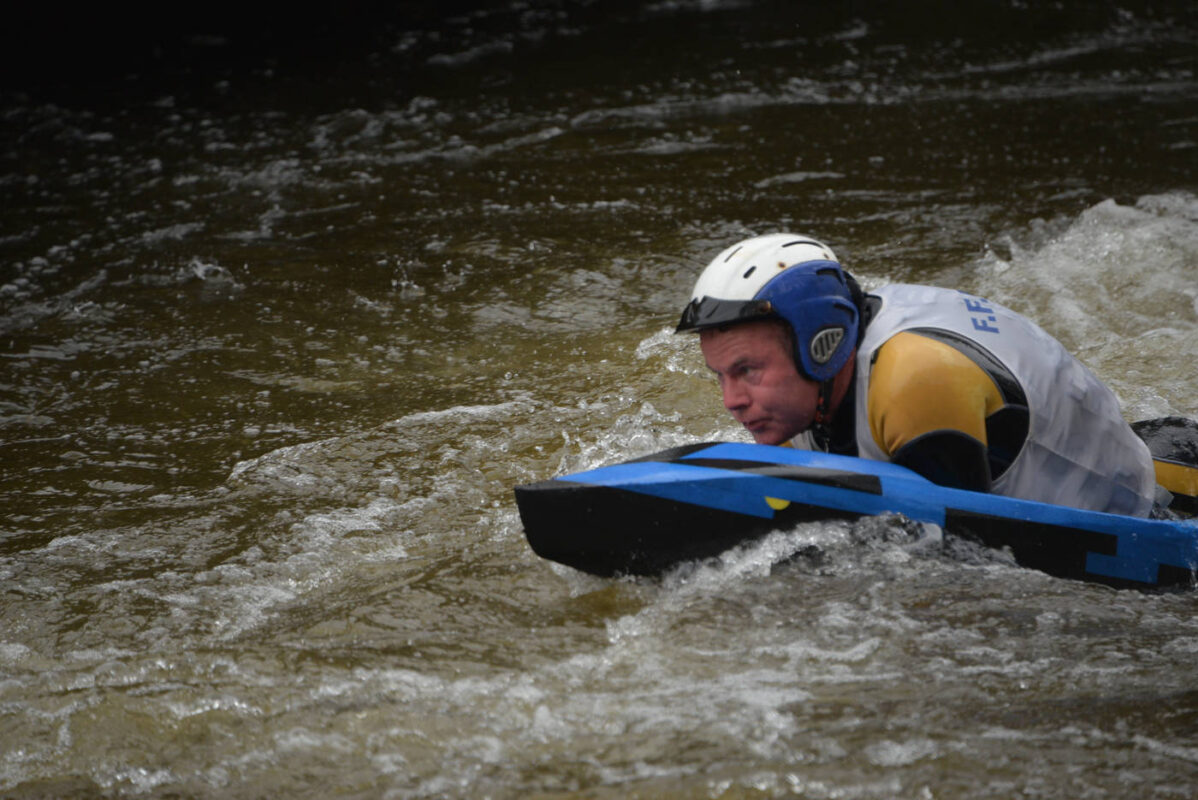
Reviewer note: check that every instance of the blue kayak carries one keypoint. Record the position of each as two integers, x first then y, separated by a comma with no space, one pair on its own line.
645,516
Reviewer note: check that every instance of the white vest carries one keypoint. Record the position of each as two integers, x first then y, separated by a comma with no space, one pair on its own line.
1079,451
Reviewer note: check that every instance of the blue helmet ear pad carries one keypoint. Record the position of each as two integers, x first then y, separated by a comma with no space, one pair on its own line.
814,298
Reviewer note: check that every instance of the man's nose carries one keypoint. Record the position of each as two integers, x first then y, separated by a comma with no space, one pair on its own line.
735,395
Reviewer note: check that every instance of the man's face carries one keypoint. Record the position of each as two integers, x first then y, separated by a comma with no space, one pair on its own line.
761,385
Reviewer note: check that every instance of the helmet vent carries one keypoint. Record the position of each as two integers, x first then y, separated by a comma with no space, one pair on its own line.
824,344
749,272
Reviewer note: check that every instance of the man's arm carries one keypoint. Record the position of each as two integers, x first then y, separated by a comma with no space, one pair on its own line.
927,406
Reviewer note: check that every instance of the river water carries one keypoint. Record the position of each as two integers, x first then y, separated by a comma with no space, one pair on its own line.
283,320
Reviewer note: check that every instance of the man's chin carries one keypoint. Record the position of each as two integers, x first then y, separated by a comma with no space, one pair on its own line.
767,437
774,436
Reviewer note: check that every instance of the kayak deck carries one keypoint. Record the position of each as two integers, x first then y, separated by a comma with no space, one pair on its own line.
642,517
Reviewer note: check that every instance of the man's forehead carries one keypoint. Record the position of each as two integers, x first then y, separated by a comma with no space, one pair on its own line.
763,333
749,340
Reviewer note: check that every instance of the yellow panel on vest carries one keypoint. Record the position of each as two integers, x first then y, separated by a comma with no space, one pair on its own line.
1177,478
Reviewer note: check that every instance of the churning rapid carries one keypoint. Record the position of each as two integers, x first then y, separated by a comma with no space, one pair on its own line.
283,321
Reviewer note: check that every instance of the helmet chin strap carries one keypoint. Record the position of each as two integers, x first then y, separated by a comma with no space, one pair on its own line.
821,426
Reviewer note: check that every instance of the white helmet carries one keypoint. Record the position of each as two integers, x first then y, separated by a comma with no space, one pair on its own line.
781,276
739,272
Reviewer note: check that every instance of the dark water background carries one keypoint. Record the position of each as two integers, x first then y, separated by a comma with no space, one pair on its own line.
288,304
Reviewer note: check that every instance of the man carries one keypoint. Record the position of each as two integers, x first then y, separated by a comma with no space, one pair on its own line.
963,391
